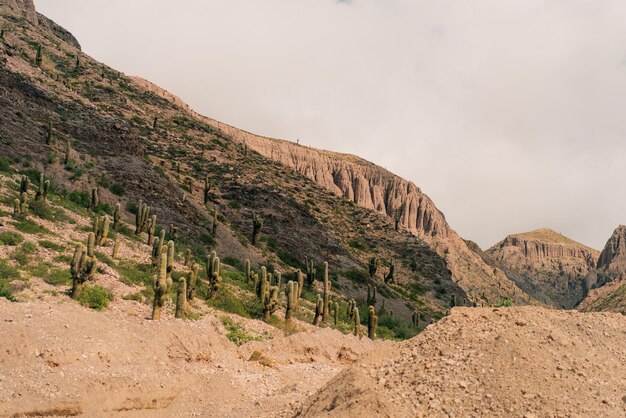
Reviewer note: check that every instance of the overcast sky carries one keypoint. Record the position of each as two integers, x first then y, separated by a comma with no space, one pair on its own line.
510,115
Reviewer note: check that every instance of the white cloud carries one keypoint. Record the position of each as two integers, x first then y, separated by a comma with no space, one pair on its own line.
508,114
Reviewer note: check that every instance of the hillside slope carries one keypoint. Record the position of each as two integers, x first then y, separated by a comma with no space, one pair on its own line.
127,134
546,264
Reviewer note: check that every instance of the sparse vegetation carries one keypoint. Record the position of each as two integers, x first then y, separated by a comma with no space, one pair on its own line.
95,297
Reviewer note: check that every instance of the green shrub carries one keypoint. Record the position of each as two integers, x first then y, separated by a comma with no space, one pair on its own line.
5,165
237,333
95,297
7,274
133,296
117,189
51,245
10,238
23,253
226,301
235,262
29,227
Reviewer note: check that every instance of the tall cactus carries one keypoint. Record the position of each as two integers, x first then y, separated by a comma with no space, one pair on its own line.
300,283
207,189
82,265
39,56
270,304
181,299
214,228
415,319
372,322
248,272
188,257
373,267
49,133
157,250
68,152
350,308
327,286
173,232
117,214
116,246
141,217
170,260
291,292
151,228
319,308
24,184
389,278
94,200
215,280
357,322
310,272
262,284
192,277
40,190
161,288
257,224
371,295
336,314
20,206
210,264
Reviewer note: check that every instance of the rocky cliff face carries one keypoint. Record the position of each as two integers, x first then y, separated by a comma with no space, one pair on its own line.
613,256
546,264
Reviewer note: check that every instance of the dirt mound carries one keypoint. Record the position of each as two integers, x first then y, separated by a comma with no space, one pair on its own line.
323,345
491,362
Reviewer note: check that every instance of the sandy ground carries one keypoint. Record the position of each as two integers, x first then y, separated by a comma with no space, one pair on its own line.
59,358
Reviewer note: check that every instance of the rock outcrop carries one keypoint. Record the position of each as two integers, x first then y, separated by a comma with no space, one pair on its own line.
23,8
605,286
546,264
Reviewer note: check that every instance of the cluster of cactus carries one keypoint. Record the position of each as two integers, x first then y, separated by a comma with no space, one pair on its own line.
327,286
20,205
270,302
151,227
83,265
371,295
214,274
117,216
162,284
24,184
141,217
372,322
350,308
257,224
390,276
292,294
101,225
